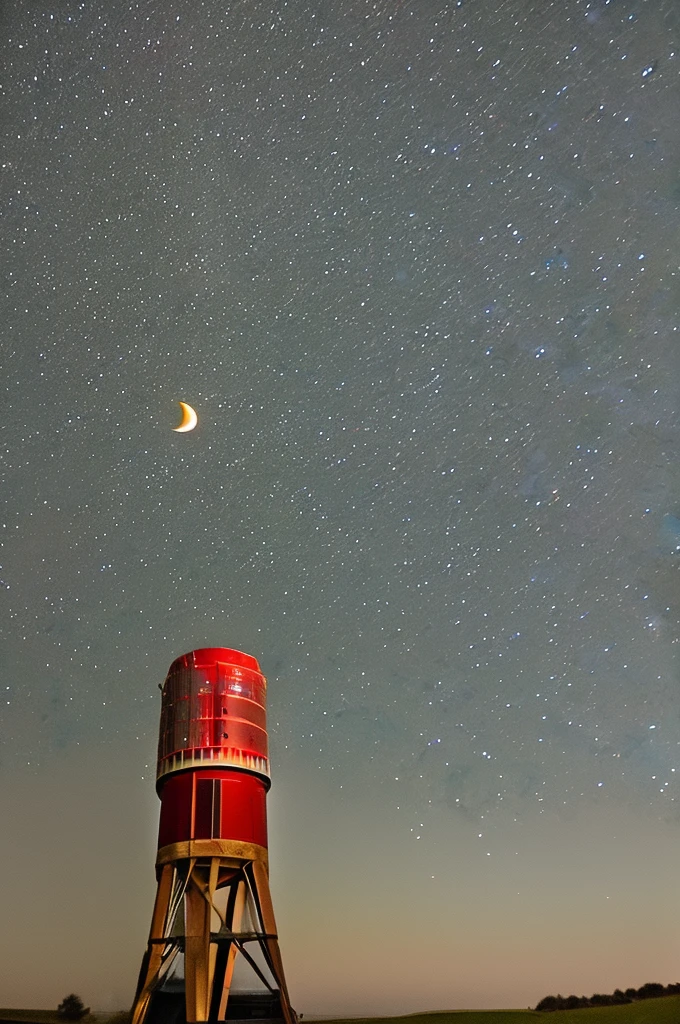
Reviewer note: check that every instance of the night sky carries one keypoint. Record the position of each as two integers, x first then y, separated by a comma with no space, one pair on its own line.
416,266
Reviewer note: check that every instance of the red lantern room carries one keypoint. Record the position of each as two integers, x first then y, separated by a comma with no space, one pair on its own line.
213,714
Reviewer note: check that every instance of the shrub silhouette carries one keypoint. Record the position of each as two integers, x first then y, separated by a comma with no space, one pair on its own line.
72,1008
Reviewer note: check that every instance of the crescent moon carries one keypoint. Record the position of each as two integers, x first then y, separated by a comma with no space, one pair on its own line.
189,419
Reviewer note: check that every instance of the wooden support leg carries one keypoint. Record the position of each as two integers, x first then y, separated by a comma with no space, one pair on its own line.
154,954
197,912
271,944
234,924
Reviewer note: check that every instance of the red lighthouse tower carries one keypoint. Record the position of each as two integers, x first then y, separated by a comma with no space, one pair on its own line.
213,907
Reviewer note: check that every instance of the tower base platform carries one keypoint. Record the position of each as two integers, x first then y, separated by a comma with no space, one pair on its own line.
244,1008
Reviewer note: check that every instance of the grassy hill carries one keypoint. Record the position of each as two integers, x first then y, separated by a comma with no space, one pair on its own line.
51,1017
31,1016
647,1011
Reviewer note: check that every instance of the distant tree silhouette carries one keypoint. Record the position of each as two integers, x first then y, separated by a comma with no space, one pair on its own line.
651,990
548,1004
72,1008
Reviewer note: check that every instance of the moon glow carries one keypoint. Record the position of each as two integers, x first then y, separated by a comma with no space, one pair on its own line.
189,419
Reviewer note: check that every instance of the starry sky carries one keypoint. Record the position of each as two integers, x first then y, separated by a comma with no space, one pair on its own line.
415,264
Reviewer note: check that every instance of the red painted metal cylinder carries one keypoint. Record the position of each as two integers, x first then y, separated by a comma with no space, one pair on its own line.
213,804
213,766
